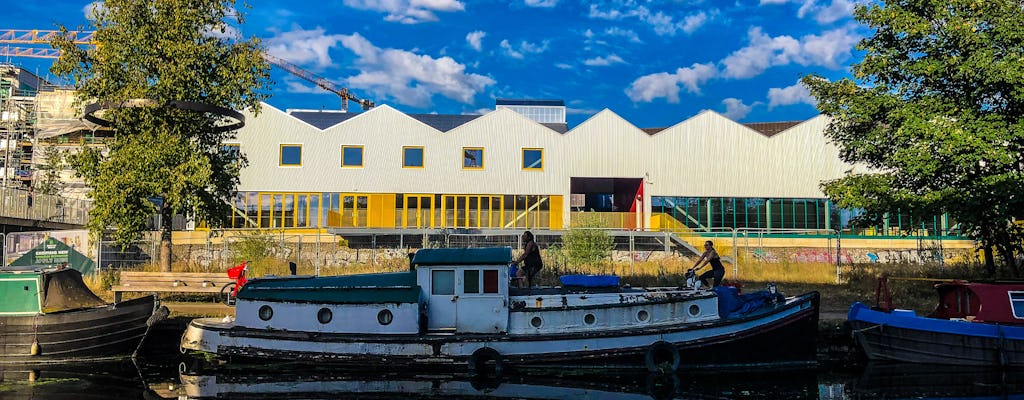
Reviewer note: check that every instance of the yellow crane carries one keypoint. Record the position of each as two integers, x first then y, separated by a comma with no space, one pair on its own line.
35,36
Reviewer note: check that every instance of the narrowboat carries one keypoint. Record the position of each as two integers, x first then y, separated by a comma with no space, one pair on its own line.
974,324
456,307
48,315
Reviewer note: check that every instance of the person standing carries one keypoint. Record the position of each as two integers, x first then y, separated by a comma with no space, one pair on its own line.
710,256
530,258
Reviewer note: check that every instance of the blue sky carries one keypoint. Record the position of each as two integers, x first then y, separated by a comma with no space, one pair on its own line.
655,63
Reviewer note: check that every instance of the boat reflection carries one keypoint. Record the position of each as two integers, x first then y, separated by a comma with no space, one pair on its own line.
82,381
925,381
309,382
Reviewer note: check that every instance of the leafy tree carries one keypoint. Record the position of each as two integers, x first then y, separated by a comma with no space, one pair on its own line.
165,159
48,180
586,243
935,110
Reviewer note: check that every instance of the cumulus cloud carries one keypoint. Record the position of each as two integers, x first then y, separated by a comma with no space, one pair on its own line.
524,48
604,61
824,14
628,34
474,38
795,94
735,109
764,51
411,78
663,24
664,85
88,9
541,3
407,11
301,46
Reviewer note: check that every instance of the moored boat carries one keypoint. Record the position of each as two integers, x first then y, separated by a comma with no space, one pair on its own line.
974,324
48,315
456,308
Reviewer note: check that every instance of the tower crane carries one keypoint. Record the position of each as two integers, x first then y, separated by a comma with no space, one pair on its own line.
35,36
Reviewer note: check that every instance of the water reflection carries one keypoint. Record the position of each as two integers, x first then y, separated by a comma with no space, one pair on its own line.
175,381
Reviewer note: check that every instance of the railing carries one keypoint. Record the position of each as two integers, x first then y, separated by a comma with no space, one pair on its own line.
23,204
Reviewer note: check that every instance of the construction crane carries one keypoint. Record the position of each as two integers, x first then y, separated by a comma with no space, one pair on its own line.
15,36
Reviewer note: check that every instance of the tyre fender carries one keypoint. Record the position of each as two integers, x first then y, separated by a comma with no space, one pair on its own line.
478,361
658,353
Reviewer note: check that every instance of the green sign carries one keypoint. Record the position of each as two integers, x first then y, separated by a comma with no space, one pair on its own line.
54,252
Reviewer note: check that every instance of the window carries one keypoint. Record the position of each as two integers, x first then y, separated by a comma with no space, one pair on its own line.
490,281
472,158
412,157
442,282
1017,304
351,156
231,151
471,281
533,159
291,155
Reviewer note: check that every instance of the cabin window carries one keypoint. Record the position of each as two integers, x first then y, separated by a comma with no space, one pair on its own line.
1017,304
266,313
472,281
536,322
694,310
643,316
324,315
589,319
491,281
442,282
384,317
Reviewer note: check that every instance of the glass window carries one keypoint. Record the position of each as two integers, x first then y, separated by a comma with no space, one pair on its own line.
412,157
291,155
1017,304
442,282
533,159
352,156
472,158
471,281
491,281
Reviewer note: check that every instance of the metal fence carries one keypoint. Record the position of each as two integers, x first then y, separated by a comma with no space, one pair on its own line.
23,204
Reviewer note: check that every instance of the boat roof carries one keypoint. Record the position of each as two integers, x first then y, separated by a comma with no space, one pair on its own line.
466,256
386,279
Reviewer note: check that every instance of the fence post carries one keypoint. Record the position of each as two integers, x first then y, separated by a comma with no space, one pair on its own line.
735,257
839,255
632,247
99,254
317,264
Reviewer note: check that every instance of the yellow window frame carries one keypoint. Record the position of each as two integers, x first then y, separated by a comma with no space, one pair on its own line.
482,157
280,154
362,156
423,156
523,163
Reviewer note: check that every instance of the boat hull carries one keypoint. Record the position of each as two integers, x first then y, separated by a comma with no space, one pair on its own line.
784,332
907,338
91,334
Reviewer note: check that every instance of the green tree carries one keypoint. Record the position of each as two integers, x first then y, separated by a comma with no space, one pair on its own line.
48,180
935,110
586,242
151,57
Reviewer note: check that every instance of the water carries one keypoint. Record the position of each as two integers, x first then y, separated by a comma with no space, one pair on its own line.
191,378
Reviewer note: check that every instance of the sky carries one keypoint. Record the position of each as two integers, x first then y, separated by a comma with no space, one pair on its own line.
653,62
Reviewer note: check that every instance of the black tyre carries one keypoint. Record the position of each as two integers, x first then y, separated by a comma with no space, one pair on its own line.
662,357
487,362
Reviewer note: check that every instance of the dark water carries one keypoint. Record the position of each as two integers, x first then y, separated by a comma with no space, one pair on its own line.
188,378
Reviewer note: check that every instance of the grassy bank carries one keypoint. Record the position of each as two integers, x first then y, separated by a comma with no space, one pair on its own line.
857,282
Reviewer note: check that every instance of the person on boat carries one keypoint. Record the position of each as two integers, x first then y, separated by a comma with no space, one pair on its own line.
530,258
711,257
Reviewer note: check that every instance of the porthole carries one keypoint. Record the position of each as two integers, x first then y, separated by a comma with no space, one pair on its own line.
589,319
384,317
266,313
324,315
694,310
536,322
642,316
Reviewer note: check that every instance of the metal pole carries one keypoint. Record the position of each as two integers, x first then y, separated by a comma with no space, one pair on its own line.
735,257
839,259
631,256
317,252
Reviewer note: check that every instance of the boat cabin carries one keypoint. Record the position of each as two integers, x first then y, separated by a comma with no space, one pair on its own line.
28,291
995,302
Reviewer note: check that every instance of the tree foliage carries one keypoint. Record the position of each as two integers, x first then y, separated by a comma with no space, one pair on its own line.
164,160
935,110
586,243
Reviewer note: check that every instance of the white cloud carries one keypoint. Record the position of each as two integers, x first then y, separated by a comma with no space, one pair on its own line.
474,38
563,66
834,11
95,5
763,52
735,109
408,11
649,87
524,48
663,24
624,33
789,95
604,61
541,3
411,78
300,46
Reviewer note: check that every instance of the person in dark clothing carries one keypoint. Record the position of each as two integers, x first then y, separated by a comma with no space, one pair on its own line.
710,256
530,258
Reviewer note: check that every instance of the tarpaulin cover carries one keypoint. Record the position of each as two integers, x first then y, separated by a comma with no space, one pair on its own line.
64,290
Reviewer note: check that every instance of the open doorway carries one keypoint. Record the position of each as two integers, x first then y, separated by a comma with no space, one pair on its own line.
615,197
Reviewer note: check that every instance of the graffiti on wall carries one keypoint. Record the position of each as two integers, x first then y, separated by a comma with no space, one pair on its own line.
820,255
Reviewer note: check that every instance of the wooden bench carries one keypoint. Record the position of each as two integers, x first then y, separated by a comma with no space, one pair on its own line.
171,282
